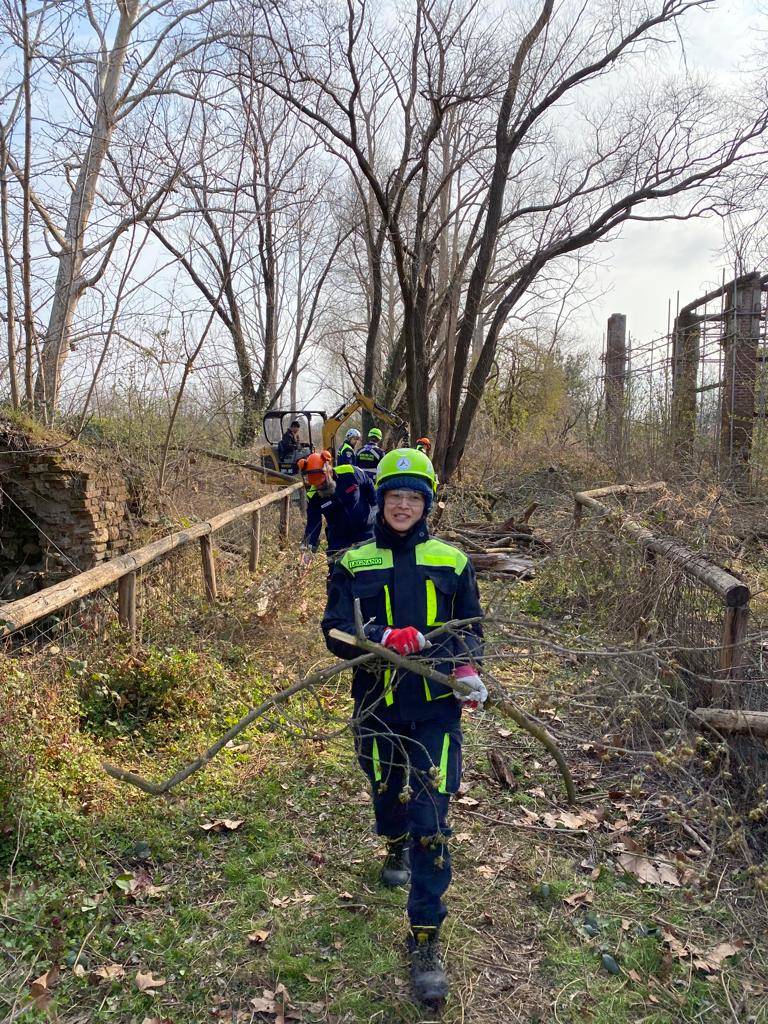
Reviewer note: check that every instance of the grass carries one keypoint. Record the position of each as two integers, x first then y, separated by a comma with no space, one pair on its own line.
300,873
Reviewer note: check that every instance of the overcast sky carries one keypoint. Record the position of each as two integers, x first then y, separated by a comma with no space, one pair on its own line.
649,262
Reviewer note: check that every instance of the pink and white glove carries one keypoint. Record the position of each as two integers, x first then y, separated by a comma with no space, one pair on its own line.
405,641
479,695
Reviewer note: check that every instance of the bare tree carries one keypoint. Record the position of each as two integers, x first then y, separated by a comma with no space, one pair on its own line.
135,58
540,187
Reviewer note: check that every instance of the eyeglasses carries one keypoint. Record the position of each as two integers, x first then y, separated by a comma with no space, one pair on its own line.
412,498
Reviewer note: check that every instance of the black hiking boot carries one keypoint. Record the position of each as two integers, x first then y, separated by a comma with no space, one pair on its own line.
430,984
397,864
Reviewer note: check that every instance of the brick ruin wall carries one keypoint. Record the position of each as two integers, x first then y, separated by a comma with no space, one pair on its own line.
62,510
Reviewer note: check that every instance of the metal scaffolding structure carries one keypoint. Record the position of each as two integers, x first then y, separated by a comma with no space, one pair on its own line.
698,395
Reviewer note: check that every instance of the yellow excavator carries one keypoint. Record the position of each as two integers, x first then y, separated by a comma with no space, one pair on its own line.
318,430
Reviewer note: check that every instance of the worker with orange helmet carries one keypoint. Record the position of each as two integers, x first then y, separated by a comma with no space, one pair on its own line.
424,445
343,496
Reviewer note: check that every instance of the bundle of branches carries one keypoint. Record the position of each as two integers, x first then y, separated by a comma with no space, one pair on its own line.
494,547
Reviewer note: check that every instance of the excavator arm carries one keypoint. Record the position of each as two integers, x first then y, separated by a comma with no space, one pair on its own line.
358,401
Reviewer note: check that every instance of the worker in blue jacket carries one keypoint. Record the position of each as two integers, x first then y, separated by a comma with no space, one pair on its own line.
347,453
370,455
343,496
407,728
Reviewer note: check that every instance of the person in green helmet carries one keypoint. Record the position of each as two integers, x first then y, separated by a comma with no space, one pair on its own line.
407,728
371,454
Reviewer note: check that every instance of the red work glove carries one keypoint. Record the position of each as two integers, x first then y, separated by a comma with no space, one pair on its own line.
468,674
407,640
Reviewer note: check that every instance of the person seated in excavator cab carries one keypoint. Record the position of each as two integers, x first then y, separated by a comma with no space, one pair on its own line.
344,497
287,447
424,445
371,454
347,454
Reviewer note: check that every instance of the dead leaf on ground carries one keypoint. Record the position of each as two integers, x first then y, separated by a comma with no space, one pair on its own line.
157,1020
468,801
222,825
648,871
287,901
108,972
147,982
709,961
40,990
277,1003
259,937
567,819
580,899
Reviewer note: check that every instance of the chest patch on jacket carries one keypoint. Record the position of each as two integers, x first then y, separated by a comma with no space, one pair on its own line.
360,563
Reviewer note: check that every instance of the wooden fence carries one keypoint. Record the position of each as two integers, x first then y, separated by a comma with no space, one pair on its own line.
732,592
123,569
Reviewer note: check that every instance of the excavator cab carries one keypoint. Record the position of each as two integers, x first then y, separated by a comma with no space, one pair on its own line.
276,422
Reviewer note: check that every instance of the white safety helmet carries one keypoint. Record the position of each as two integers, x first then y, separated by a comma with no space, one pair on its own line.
353,433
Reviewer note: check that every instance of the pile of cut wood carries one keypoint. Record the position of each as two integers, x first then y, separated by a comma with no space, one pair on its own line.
503,550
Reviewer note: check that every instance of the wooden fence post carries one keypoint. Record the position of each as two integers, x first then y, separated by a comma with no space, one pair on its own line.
578,513
209,568
255,541
285,519
126,602
732,649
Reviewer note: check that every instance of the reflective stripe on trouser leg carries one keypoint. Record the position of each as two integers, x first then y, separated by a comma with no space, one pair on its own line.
380,755
389,697
435,756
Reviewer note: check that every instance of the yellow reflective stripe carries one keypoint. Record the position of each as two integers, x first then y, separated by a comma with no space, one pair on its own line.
431,602
376,761
444,764
389,697
437,552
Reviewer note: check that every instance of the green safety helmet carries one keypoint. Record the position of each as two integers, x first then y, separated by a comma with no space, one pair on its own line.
375,432
408,469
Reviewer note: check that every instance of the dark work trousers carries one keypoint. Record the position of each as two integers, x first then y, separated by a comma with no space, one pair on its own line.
413,767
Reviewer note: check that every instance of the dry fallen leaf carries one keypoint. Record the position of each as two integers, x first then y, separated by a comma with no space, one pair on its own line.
157,1020
40,989
146,982
108,972
468,801
222,824
648,871
259,937
579,899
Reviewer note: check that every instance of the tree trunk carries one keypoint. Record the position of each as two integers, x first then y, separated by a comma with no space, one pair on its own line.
10,296
69,281
372,365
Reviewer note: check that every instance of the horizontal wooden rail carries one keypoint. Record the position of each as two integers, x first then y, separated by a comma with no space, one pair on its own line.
27,610
733,592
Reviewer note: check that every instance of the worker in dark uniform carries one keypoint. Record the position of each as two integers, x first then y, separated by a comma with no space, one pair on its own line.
407,728
343,497
424,445
346,455
287,447
371,454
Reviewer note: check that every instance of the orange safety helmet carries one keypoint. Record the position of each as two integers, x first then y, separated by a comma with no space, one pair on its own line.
313,468
424,444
